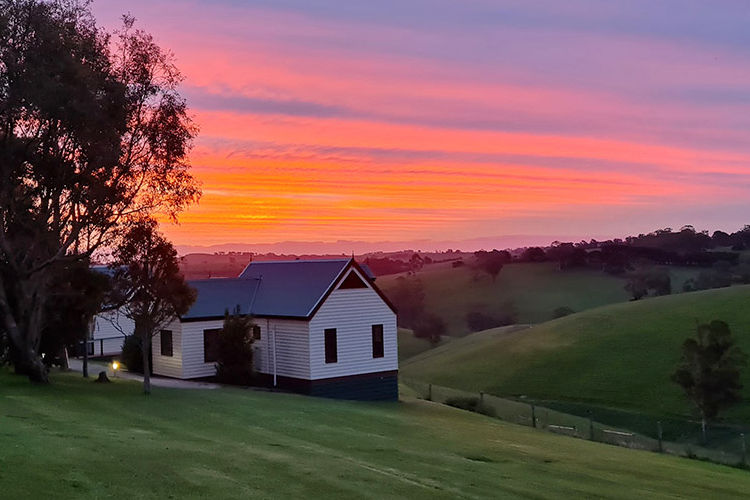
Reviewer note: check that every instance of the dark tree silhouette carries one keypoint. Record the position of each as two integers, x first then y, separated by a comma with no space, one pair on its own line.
235,350
492,262
88,137
709,371
147,274
431,327
408,297
650,281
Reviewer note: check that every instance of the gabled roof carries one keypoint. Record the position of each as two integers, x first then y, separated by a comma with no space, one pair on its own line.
288,289
294,287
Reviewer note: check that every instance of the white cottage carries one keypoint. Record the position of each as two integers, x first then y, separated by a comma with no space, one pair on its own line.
322,327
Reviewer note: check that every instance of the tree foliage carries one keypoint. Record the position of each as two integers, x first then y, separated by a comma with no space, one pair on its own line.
431,327
235,350
89,136
649,281
408,297
709,370
492,262
147,277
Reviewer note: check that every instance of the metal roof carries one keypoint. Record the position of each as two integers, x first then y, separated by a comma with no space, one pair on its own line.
272,288
216,296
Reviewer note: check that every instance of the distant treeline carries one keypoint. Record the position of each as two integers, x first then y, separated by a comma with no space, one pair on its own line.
686,247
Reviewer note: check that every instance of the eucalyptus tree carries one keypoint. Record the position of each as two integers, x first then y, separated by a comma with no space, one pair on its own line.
93,132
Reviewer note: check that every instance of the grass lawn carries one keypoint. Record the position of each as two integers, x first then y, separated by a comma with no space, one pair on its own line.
620,355
77,439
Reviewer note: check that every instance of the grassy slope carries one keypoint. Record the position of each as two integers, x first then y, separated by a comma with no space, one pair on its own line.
535,290
409,345
76,439
619,355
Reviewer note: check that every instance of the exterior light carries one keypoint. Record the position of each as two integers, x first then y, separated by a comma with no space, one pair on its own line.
115,366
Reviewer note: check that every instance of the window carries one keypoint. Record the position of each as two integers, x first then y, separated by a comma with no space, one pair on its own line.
352,281
256,332
166,342
211,345
331,349
377,341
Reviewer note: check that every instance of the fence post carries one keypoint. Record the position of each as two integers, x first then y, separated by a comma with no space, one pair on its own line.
533,416
481,397
659,434
429,392
744,449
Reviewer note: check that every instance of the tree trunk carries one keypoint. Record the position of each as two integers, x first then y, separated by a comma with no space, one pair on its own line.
29,363
145,350
23,325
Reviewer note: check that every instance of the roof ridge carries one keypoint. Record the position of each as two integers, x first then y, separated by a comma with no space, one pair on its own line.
216,280
299,261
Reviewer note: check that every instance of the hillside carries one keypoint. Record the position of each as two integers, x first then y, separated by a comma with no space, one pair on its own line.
77,439
620,355
531,290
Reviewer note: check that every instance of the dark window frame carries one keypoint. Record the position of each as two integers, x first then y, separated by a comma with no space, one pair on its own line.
164,335
331,346
378,341
210,354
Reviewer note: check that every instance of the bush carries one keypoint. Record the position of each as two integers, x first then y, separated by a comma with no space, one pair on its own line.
561,312
478,321
132,356
471,404
235,351
431,327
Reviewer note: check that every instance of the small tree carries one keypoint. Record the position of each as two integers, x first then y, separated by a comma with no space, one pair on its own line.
430,327
709,371
492,262
235,350
147,274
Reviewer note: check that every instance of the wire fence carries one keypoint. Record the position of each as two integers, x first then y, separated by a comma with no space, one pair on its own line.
730,450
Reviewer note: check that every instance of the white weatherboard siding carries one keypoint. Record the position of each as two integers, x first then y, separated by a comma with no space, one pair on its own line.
169,366
291,342
192,348
352,312
292,348
109,332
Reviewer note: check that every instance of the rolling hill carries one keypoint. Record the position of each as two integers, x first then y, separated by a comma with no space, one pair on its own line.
532,290
619,355
77,439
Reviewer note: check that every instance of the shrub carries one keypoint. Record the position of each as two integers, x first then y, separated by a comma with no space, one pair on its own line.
471,404
132,356
478,321
431,327
235,351
562,311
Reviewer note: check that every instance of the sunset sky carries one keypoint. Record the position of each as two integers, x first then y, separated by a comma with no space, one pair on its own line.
448,120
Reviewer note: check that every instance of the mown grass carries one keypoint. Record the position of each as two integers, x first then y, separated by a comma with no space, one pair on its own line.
532,290
619,356
77,439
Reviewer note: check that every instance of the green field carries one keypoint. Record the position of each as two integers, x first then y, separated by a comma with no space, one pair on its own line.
77,439
619,356
533,290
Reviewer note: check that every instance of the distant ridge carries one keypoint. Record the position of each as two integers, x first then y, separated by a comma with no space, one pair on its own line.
346,247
